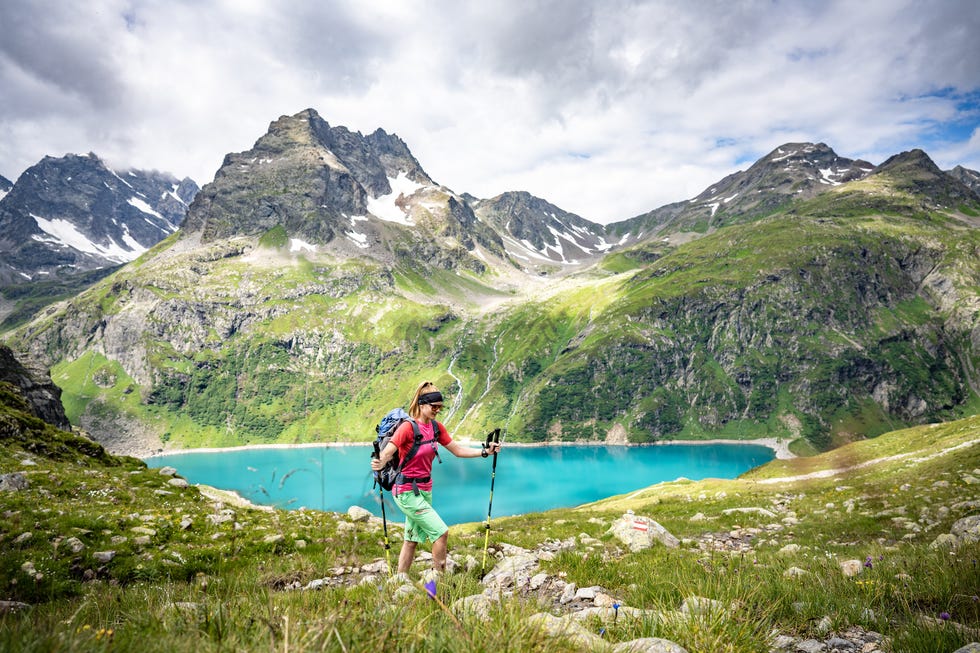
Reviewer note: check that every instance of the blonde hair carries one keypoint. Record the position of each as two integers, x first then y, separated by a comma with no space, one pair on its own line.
413,408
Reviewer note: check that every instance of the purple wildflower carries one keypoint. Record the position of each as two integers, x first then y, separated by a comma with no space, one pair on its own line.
868,563
944,616
430,589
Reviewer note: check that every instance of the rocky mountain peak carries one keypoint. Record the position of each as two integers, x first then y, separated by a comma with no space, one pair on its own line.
5,186
306,176
73,213
538,233
790,172
801,168
913,171
334,189
970,178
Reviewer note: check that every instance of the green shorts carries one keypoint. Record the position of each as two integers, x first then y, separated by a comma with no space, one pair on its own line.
422,522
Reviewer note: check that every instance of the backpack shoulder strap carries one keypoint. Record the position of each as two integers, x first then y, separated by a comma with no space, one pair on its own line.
416,443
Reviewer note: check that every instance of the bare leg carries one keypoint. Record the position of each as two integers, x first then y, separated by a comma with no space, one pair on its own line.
406,556
439,549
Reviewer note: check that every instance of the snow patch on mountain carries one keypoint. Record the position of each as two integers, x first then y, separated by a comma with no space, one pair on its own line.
386,206
149,210
355,236
64,233
297,245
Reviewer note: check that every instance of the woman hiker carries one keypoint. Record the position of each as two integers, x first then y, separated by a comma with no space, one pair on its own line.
413,491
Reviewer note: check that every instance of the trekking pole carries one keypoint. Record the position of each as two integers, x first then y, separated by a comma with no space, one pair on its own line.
492,436
384,518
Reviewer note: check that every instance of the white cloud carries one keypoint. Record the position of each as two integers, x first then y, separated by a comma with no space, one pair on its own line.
607,109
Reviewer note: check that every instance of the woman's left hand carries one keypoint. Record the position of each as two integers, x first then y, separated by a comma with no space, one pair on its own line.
493,447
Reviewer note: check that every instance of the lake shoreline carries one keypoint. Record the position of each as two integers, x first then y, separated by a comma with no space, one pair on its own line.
779,445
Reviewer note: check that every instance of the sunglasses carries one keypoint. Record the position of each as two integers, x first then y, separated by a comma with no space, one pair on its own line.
435,407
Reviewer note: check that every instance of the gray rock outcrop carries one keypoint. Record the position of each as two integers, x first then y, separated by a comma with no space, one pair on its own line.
41,396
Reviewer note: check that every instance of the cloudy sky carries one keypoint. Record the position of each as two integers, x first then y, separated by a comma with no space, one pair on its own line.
607,108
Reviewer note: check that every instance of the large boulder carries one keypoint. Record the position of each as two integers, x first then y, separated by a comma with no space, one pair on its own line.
967,530
638,532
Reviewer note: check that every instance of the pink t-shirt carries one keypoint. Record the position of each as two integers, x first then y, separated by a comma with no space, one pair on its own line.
420,465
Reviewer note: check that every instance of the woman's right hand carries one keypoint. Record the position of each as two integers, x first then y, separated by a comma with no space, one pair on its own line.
376,464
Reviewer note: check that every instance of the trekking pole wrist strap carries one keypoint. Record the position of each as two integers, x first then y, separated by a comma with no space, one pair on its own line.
483,451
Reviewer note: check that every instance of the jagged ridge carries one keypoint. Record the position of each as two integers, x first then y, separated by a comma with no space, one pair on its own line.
74,214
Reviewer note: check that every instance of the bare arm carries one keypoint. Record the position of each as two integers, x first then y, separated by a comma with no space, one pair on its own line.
386,454
458,450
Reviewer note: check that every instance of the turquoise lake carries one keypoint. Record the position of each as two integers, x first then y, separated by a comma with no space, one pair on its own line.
529,479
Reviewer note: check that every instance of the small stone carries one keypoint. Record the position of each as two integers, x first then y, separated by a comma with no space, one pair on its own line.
794,572
13,482
316,584
944,541
586,593
649,645
783,643
376,567
568,594
74,545
477,606
538,580
603,600
104,556
810,646
358,514
851,568
840,644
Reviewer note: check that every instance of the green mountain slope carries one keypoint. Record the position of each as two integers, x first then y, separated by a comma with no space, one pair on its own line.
830,318
843,323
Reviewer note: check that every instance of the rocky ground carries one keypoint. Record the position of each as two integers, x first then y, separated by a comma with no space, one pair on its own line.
567,610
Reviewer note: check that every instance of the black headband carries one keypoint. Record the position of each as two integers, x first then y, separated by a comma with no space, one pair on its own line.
430,398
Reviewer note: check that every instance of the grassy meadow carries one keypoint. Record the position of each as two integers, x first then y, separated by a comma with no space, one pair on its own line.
101,553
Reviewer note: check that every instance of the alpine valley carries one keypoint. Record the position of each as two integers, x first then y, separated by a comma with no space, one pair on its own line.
323,274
